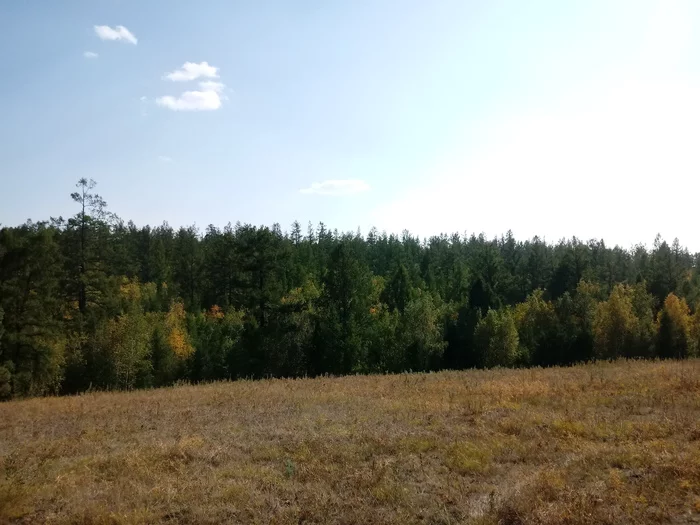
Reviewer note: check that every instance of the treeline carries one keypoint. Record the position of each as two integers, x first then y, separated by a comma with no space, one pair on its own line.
92,302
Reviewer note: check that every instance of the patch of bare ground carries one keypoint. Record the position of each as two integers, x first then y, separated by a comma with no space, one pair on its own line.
604,443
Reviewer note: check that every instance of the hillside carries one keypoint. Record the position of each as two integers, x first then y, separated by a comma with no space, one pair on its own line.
604,443
94,302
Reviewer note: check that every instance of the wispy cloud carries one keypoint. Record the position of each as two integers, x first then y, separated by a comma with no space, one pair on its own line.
209,97
116,33
211,85
165,159
337,187
193,71
90,54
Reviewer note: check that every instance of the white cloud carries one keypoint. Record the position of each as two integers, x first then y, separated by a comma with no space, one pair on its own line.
90,54
192,71
208,98
337,187
118,33
191,101
210,85
165,159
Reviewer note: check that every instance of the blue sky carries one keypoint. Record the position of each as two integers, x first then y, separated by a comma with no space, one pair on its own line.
546,117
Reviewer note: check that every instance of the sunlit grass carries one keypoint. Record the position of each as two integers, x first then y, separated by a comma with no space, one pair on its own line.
604,443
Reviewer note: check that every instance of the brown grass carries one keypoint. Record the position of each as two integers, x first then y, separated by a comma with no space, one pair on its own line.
606,443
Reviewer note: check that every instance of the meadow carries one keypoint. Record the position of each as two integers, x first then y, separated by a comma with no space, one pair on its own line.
599,443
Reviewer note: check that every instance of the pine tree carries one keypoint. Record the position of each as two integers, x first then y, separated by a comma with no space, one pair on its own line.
346,289
33,345
188,266
91,227
397,292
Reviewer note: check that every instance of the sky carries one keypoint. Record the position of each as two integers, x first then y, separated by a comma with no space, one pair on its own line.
548,118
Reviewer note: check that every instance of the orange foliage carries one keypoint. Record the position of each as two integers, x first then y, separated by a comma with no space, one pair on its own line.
215,312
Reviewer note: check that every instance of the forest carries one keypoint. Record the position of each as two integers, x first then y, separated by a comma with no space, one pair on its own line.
95,303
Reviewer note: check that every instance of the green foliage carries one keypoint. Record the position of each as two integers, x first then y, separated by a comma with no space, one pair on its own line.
32,340
538,328
694,334
5,375
420,332
127,341
216,340
345,303
93,302
496,339
5,382
289,339
397,292
385,351
575,315
623,325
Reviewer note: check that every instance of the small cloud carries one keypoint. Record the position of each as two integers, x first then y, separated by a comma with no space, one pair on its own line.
165,159
211,85
191,101
144,98
192,71
90,54
337,187
118,33
209,98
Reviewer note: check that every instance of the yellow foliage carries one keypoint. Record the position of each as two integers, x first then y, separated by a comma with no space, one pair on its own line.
177,334
614,323
176,314
130,290
673,327
302,294
588,288
678,313
178,343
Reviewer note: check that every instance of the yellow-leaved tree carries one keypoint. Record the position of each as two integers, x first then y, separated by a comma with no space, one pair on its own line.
537,325
126,339
176,331
674,328
623,325
614,325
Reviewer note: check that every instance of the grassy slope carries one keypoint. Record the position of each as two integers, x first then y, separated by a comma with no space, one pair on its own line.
609,443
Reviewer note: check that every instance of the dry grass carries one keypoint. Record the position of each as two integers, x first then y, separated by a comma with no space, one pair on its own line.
605,443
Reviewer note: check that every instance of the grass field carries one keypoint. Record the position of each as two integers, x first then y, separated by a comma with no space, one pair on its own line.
606,443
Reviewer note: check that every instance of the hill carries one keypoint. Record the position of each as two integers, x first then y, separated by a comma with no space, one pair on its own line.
603,443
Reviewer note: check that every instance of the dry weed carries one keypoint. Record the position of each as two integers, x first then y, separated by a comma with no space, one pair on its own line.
603,443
